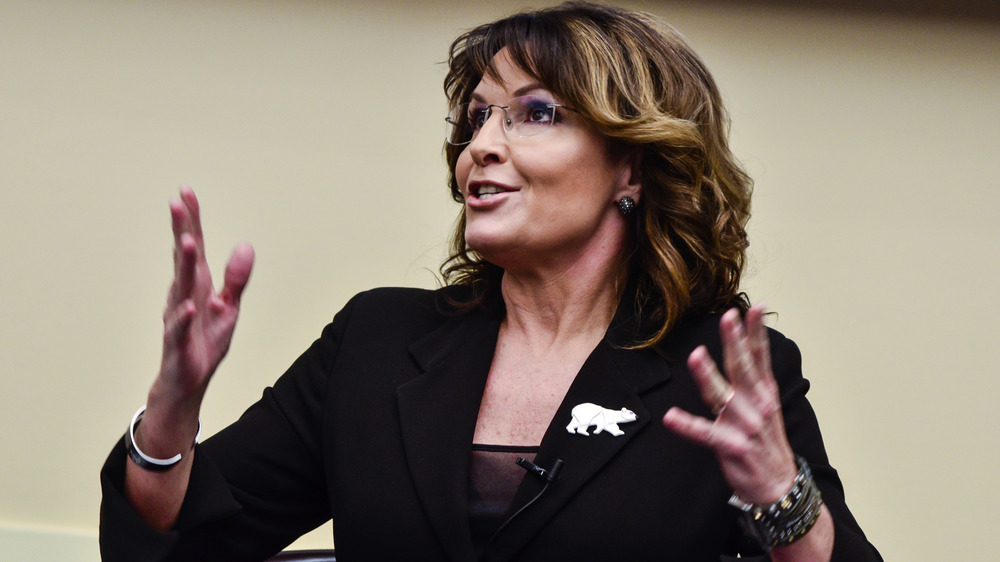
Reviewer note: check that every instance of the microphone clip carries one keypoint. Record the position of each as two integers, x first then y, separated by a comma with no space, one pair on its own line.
547,475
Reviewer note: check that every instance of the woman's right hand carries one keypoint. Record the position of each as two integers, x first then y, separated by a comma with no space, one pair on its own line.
198,326
198,323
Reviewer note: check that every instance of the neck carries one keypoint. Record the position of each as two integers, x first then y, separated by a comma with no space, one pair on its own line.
561,306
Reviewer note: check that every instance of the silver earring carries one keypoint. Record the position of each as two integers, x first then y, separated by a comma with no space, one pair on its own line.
626,205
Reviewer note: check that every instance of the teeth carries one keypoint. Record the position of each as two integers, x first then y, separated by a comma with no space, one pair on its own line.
489,190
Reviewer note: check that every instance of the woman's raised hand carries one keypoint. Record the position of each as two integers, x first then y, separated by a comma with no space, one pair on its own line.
748,433
198,326
198,322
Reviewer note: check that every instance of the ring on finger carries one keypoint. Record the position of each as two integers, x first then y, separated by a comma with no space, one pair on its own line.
719,408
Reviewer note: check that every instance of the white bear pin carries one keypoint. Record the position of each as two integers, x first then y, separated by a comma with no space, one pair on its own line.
587,414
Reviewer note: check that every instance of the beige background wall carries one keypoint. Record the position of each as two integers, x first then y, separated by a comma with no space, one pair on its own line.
312,129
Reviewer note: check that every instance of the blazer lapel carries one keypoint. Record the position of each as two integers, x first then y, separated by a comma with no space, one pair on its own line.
613,378
438,412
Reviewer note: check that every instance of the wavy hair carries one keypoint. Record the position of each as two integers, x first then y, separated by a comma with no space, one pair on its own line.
639,83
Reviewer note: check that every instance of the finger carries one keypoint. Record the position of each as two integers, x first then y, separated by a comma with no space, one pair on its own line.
714,389
722,439
185,270
179,223
194,213
760,346
176,321
180,226
736,354
726,403
237,274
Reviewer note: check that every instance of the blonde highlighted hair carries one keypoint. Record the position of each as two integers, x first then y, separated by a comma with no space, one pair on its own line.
639,83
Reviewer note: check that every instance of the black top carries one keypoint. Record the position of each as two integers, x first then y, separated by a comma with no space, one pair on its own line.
494,477
373,426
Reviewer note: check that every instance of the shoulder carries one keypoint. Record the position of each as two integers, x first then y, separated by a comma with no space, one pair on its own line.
402,300
405,308
384,321
391,299
703,329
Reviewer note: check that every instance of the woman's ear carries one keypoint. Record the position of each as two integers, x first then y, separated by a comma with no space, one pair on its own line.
630,181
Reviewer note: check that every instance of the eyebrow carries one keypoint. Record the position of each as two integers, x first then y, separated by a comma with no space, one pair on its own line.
517,93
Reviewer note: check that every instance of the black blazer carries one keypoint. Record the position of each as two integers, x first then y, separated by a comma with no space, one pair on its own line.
373,426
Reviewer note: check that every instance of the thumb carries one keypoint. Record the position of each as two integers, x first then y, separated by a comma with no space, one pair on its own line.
237,273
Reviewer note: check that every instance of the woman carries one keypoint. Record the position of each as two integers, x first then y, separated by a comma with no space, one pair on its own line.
592,290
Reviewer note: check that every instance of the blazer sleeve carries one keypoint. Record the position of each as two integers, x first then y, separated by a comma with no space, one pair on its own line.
255,486
850,543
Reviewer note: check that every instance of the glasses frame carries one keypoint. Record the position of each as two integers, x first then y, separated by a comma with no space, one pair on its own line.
508,124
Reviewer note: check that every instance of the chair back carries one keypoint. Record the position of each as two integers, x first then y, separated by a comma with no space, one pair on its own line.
304,556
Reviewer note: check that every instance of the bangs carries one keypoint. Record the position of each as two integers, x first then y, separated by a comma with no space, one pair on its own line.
540,44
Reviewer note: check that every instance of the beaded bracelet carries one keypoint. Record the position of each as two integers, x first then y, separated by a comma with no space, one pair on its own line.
788,519
142,459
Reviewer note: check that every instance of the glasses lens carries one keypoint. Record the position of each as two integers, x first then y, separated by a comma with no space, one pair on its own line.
455,125
464,122
531,115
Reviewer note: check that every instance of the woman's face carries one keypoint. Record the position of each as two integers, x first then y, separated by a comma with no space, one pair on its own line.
547,200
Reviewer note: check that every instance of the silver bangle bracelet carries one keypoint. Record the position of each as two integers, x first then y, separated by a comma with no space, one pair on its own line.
788,519
143,460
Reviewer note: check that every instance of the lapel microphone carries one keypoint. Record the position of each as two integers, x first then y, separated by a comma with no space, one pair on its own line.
532,468
549,476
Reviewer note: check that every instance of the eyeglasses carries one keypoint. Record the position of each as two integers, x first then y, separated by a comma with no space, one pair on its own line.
525,116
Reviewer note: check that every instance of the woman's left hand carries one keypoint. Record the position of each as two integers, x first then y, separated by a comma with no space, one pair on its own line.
748,433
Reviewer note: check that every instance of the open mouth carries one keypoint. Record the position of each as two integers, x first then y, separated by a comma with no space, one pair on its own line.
486,191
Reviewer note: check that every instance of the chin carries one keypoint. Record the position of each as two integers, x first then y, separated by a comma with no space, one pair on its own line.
482,234
482,245
490,245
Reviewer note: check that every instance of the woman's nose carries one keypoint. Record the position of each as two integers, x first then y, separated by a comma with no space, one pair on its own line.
490,143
